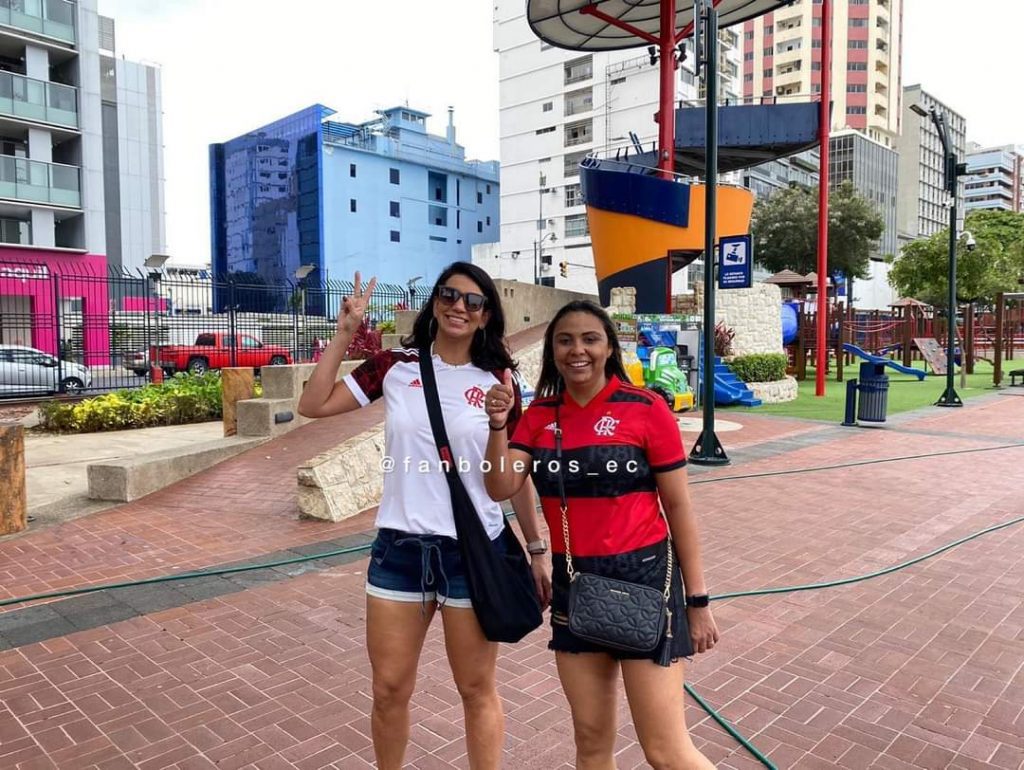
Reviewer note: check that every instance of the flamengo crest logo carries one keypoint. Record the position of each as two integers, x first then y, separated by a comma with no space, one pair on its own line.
606,426
475,397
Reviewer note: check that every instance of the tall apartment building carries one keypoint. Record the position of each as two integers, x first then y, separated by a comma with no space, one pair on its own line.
995,178
383,197
782,57
75,137
81,172
556,107
923,204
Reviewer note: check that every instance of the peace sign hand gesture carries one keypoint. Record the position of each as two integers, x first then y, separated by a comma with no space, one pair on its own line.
354,308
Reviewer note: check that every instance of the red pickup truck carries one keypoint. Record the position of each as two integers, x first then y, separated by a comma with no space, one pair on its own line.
212,350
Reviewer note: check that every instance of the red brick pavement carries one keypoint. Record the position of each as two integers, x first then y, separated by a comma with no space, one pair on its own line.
923,668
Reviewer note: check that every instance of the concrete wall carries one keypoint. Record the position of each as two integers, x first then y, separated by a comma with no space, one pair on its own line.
527,304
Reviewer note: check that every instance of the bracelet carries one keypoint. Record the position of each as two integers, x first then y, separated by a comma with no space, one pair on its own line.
500,427
697,601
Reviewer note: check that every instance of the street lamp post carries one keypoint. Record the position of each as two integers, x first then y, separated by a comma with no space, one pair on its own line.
953,170
300,276
537,244
154,263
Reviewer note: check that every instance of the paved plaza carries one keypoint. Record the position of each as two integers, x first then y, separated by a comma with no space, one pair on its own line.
920,668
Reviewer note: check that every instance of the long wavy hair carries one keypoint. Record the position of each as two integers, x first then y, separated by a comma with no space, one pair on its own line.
488,350
550,382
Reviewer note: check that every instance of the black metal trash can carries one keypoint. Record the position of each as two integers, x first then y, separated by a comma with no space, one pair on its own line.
874,393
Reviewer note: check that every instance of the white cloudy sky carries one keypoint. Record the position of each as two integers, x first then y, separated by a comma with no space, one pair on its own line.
229,66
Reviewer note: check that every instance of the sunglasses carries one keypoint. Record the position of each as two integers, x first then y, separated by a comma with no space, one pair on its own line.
449,296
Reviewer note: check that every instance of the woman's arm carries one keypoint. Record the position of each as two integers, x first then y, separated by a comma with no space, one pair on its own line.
508,468
323,396
675,498
525,508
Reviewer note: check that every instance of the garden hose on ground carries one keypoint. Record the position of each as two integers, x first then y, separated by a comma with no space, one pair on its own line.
734,595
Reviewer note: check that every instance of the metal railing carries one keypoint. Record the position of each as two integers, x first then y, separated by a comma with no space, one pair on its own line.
38,181
90,334
52,18
25,97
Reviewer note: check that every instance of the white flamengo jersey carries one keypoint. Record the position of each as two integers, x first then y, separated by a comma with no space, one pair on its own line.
416,497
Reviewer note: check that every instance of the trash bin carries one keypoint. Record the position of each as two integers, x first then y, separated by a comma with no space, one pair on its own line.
874,393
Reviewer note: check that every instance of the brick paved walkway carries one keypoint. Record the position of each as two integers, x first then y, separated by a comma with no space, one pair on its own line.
923,668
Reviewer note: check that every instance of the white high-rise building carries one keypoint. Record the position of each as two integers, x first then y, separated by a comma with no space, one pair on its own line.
81,150
556,107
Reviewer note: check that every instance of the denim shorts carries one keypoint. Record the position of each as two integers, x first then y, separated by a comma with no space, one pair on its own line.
408,567
645,565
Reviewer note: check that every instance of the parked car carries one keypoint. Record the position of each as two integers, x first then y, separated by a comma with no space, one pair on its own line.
27,370
211,350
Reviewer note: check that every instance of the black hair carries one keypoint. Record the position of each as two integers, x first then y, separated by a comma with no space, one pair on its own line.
550,382
487,351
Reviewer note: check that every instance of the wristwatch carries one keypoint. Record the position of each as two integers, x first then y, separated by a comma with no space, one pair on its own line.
537,547
697,601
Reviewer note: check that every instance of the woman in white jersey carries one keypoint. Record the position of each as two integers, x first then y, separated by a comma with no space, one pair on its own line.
415,565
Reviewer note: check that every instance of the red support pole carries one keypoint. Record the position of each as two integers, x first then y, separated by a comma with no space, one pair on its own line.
823,184
667,96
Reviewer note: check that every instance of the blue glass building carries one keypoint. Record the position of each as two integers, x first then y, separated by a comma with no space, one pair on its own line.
383,197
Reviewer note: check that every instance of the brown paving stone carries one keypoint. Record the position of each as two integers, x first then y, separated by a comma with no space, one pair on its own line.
924,668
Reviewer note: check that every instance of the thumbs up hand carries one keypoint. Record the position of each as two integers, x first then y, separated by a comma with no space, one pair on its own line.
499,401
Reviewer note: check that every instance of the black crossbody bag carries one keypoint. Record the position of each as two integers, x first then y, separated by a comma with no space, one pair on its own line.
616,613
501,586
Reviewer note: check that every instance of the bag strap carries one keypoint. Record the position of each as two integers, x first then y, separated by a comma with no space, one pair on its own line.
564,506
434,411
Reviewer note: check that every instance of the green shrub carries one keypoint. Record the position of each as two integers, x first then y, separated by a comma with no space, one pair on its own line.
760,367
386,327
184,398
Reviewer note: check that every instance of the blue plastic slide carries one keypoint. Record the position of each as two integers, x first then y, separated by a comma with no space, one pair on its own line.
919,373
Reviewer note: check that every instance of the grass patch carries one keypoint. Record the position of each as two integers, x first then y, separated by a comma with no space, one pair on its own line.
905,393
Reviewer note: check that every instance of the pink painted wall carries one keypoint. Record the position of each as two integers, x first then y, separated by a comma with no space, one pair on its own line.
41,276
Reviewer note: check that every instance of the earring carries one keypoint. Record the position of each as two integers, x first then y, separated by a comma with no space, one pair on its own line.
432,328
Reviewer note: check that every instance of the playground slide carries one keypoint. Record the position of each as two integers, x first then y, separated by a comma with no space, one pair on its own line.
726,393
919,373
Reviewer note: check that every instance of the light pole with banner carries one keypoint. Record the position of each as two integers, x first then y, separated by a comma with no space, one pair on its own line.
300,276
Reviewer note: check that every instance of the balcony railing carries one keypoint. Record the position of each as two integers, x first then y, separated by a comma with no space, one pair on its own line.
40,100
53,18
38,182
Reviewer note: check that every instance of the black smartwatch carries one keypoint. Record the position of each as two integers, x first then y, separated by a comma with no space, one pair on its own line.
698,601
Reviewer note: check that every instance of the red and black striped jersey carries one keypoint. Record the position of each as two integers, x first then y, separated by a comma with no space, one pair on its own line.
612,448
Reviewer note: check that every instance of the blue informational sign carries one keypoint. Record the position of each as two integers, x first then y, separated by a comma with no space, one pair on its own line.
735,262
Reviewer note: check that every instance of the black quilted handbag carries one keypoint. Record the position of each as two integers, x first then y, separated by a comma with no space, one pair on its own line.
615,613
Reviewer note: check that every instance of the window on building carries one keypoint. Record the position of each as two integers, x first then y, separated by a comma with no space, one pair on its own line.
439,238
351,169
479,197
857,44
576,226
458,191
396,236
479,226
458,220
768,51
545,130
855,66
856,110
571,165
748,56
547,106
579,101
487,189
437,186
395,176
437,216
488,221
580,132
858,22
573,195
352,205
579,69
748,35
396,209
856,88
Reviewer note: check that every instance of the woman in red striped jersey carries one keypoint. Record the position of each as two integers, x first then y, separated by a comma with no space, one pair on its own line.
622,463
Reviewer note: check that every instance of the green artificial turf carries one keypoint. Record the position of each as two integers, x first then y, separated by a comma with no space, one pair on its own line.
905,392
